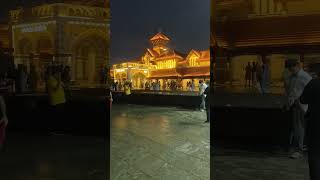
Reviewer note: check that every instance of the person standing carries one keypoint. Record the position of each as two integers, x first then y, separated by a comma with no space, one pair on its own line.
24,79
66,79
102,75
286,78
207,103
254,74
3,121
311,97
297,82
57,99
202,88
192,85
127,88
259,76
248,75
265,78
33,78
109,96
105,78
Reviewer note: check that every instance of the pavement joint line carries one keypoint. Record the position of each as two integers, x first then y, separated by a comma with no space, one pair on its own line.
160,143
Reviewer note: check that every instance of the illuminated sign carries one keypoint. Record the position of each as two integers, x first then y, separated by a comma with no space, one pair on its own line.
39,28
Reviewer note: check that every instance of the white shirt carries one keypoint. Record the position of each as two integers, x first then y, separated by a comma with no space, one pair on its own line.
297,83
202,88
286,79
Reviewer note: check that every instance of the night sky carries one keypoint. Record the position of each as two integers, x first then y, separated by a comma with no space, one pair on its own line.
133,22
6,5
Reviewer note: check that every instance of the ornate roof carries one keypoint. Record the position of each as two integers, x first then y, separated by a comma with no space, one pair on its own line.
159,36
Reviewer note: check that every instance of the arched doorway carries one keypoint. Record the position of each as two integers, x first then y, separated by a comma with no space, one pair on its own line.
24,51
138,80
44,51
90,54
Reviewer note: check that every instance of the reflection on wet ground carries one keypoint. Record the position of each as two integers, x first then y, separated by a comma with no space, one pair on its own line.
156,143
34,157
239,164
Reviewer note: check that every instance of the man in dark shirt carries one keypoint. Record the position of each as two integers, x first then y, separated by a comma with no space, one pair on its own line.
207,102
311,96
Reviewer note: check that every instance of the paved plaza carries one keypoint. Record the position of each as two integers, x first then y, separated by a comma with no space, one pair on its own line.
236,164
159,143
35,157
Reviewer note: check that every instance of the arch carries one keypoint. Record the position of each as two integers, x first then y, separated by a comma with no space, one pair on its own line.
138,80
44,44
25,46
90,52
91,32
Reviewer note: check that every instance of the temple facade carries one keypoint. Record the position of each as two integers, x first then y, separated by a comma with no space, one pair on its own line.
163,64
68,33
271,31
4,35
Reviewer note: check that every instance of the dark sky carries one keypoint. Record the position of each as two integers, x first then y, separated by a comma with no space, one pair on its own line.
6,5
133,22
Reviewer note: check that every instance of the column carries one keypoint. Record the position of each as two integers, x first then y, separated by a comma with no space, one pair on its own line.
257,7
271,7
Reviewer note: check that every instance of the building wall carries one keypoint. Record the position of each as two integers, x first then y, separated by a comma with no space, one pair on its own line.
77,36
4,35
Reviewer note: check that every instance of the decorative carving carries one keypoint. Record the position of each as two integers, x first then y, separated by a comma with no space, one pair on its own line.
62,10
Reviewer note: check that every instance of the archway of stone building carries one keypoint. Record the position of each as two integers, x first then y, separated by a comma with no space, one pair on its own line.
138,80
25,49
90,54
44,55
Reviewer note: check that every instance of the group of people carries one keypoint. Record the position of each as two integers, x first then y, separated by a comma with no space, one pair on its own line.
118,86
303,101
257,75
191,86
19,80
153,86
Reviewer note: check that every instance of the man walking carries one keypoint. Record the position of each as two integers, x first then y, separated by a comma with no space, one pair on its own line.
202,88
297,82
207,102
311,96
56,98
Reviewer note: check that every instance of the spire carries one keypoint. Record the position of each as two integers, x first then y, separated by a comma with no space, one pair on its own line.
159,36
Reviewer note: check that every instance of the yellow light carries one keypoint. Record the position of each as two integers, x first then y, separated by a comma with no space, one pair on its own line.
119,70
145,71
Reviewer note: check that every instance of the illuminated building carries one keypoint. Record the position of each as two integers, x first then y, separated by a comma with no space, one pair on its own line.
4,35
74,33
264,31
161,63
